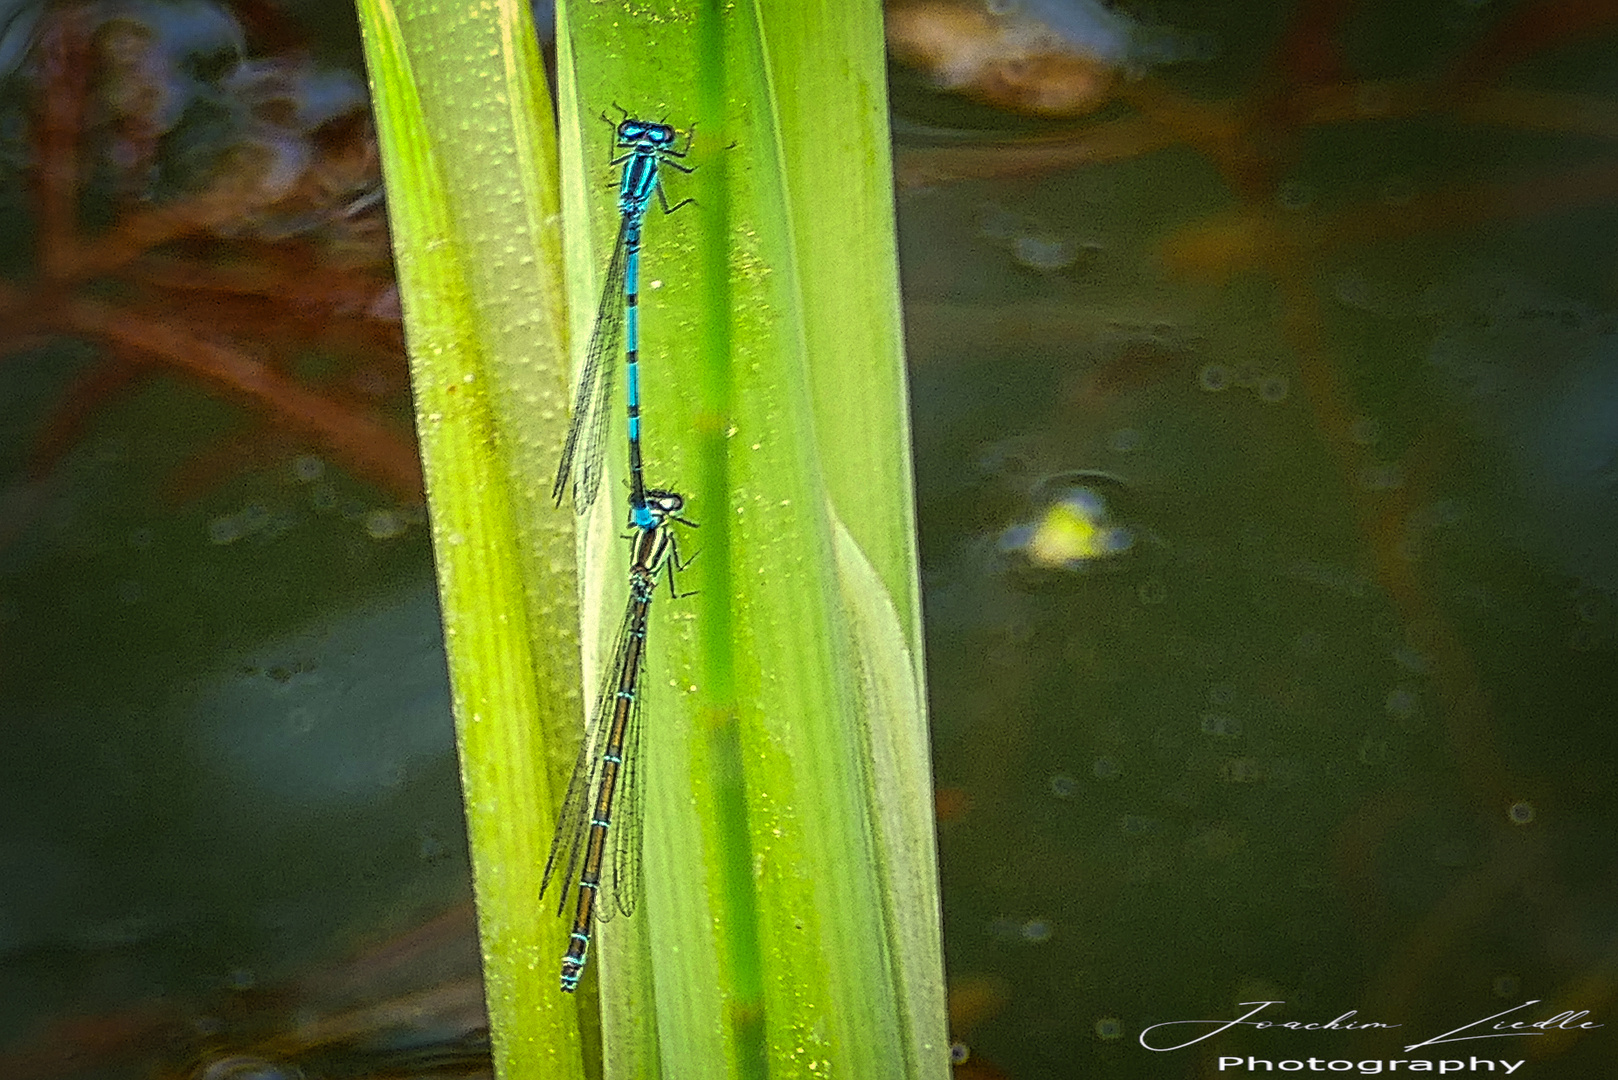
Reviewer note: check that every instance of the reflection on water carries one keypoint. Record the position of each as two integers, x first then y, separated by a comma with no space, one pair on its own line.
1334,730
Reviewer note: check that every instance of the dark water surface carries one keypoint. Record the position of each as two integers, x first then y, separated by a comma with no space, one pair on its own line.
1271,599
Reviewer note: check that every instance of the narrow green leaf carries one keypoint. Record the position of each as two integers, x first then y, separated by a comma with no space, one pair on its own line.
789,922
468,156
789,918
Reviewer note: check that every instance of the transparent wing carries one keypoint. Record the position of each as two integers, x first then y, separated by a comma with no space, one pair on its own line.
623,886
585,447
573,823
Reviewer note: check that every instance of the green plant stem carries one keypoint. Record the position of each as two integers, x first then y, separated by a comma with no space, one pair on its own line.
468,156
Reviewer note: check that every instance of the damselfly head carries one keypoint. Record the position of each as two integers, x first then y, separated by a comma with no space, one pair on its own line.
634,132
664,503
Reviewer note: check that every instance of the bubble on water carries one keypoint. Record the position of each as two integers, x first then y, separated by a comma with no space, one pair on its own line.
1401,703
1086,501
225,530
384,525
1109,1028
1273,389
1044,253
1064,786
1520,812
959,1053
1117,540
1409,659
430,847
1015,539
1124,441
1214,378
1104,768
1073,531
1036,931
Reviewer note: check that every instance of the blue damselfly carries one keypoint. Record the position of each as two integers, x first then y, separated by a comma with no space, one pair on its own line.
645,147
608,766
